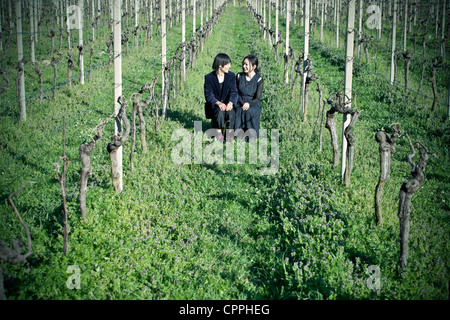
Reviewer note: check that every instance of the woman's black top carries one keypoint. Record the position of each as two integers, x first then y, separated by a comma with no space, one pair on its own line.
249,91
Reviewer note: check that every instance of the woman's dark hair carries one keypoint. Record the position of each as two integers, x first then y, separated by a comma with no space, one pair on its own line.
221,59
253,61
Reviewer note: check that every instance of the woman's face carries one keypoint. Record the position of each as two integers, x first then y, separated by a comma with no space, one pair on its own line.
225,68
247,66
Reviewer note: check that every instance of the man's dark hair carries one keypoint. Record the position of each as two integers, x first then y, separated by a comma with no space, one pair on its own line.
220,60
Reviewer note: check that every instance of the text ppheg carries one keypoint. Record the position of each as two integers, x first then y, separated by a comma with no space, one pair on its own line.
245,309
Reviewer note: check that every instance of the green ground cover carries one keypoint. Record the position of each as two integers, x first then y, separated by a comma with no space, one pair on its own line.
223,231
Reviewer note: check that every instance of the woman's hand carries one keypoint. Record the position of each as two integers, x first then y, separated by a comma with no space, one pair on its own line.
246,106
229,106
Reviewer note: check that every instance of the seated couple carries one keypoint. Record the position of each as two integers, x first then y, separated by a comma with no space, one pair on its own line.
233,102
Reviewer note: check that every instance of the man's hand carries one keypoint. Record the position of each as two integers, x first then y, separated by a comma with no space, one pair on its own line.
229,106
222,106
246,106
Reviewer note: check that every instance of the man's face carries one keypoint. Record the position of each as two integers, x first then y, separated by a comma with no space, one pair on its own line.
225,68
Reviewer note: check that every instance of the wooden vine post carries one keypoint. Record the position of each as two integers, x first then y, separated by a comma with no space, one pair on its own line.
133,128
322,5
405,23
305,58
183,40
386,149
21,78
348,79
443,36
164,54
337,10
80,41
136,22
407,190
31,14
94,22
287,48
360,31
394,32
194,15
276,25
1,40
116,156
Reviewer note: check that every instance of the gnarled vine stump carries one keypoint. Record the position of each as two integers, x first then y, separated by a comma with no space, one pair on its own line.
437,63
116,142
386,149
350,137
41,82
275,47
138,108
298,68
407,190
330,124
86,169
54,64
311,76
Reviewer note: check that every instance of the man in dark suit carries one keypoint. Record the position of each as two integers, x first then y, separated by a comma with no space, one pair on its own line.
221,96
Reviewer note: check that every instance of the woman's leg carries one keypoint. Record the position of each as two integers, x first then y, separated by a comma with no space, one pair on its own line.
252,119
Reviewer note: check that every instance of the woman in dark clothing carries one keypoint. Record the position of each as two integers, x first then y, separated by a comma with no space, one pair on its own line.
250,87
221,97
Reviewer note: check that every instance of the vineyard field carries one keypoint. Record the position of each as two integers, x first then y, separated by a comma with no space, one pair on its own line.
224,231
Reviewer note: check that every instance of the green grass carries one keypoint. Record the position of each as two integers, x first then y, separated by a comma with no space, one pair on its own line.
221,231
